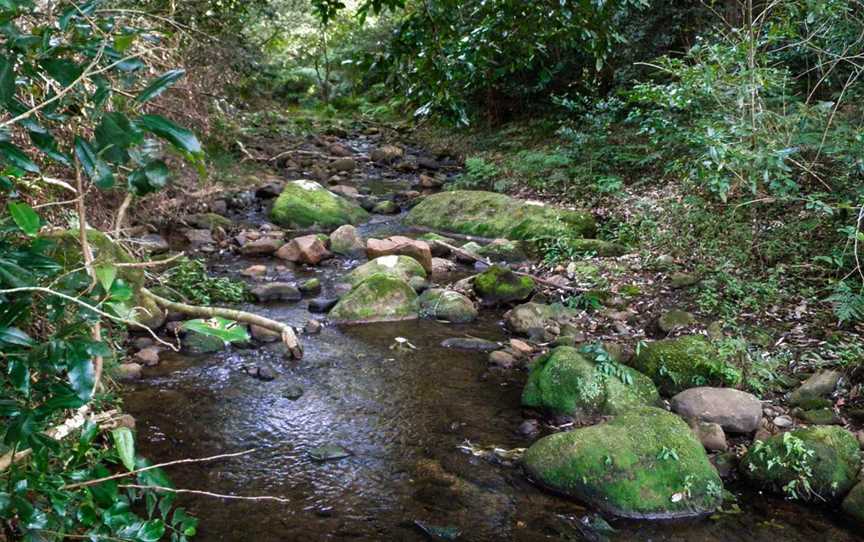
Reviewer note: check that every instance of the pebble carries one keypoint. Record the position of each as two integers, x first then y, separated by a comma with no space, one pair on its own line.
783,422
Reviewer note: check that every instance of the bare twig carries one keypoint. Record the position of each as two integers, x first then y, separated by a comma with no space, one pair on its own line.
158,466
88,306
206,493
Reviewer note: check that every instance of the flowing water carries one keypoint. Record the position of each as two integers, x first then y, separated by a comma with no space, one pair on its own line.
402,413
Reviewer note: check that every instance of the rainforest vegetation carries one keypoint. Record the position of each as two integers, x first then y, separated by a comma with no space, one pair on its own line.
431,269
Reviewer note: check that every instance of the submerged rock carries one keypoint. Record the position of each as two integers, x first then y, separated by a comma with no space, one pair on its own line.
402,267
378,298
307,204
487,214
736,411
808,464
474,345
322,305
689,361
566,382
645,463
441,304
498,286
276,291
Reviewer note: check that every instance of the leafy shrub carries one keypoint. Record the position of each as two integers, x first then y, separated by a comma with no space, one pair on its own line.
190,279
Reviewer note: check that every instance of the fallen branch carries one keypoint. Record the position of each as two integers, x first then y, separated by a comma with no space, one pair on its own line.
474,257
205,493
287,332
88,306
98,481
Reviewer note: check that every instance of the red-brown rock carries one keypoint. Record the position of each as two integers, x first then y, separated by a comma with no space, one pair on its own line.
308,249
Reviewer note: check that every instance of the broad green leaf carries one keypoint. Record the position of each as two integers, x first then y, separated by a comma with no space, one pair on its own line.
14,156
7,80
81,377
106,275
19,375
125,444
227,330
93,165
124,42
151,531
113,137
121,291
62,70
14,336
159,85
181,138
45,142
25,217
150,178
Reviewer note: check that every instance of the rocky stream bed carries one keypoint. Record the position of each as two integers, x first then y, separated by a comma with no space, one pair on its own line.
435,403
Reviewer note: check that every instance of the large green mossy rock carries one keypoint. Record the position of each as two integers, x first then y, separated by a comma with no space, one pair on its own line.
379,298
198,343
487,214
499,286
441,304
67,251
853,504
685,362
307,204
402,267
815,463
645,463
566,382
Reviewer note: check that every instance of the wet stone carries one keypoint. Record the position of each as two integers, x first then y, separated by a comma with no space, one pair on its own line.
475,345
322,305
292,392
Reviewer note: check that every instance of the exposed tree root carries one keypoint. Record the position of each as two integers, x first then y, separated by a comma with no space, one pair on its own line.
287,332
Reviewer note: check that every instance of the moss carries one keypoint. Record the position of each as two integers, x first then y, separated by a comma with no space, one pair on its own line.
307,204
564,382
853,504
498,285
685,362
781,463
675,319
210,221
820,416
645,463
487,214
379,298
504,250
403,267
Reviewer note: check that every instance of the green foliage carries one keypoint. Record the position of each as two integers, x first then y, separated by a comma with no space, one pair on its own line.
794,456
605,363
480,175
191,280
66,70
452,58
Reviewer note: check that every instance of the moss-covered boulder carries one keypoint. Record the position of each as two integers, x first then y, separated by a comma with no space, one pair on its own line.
379,298
67,251
499,286
853,504
487,214
307,204
808,464
402,267
566,382
441,304
198,343
645,463
685,362
504,250
209,221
